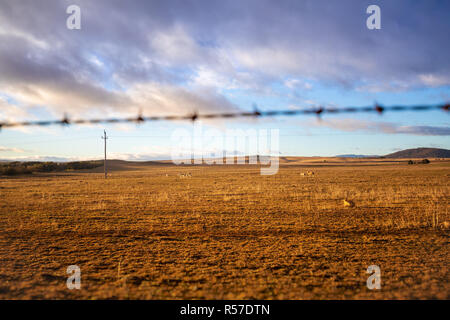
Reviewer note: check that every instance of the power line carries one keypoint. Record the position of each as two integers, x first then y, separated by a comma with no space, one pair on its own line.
254,114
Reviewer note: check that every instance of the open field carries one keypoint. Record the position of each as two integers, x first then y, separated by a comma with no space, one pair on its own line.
226,232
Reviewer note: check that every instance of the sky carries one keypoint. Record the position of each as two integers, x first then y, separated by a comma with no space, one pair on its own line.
180,57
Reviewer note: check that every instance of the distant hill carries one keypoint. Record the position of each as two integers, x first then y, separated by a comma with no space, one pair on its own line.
420,153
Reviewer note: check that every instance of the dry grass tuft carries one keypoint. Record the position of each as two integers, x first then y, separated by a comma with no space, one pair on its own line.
348,203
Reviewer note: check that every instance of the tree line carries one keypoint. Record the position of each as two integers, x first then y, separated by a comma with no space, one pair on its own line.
29,167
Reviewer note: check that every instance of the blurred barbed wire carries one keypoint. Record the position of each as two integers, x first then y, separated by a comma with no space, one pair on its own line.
319,111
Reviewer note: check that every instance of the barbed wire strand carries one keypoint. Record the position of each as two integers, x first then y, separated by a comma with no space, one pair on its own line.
255,114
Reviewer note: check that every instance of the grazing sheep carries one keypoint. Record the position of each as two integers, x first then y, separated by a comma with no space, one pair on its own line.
185,175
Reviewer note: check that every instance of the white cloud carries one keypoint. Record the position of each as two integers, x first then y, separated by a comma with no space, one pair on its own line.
11,112
298,84
46,158
434,80
354,125
11,149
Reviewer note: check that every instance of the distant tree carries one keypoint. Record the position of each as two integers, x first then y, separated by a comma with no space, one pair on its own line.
425,161
410,162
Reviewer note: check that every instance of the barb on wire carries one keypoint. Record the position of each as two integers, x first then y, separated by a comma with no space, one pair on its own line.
256,113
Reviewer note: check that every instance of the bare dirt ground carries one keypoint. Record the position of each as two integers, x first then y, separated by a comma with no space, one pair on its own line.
227,232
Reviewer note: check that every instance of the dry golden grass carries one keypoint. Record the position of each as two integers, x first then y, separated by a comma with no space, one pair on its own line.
228,232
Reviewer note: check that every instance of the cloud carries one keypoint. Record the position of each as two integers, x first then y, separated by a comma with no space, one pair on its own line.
298,84
434,80
178,56
424,130
158,154
353,125
11,112
45,158
10,149
166,98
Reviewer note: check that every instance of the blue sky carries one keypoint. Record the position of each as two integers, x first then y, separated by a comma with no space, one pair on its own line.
177,57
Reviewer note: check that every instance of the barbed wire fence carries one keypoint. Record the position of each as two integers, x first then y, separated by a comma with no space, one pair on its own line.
319,111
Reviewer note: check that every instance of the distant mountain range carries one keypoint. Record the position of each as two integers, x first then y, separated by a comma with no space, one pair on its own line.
420,153
355,156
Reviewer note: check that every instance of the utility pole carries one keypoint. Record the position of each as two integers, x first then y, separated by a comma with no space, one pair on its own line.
104,138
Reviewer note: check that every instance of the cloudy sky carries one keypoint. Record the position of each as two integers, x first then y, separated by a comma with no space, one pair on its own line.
178,57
